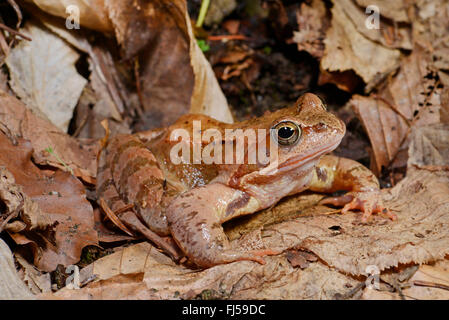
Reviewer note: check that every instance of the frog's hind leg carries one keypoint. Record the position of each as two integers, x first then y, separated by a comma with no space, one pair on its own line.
195,219
139,180
109,199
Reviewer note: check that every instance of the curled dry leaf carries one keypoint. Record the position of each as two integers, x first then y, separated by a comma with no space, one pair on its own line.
44,76
158,34
60,198
347,49
11,287
174,73
76,154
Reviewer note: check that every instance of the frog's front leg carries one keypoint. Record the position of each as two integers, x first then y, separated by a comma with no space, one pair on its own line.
195,219
334,174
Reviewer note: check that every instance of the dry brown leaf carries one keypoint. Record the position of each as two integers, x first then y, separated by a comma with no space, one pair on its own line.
44,76
92,13
175,76
312,25
142,272
430,146
151,30
78,155
430,282
391,34
11,287
394,10
430,25
60,198
347,49
386,129
36,281
219,9
409,99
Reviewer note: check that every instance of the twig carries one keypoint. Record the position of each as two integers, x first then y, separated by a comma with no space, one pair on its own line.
81,126
430,284
15,32
350,293
16,8
228,37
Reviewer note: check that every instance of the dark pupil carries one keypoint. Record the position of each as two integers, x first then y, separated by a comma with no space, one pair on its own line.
285,132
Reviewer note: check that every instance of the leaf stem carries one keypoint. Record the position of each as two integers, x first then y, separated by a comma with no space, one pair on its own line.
203,12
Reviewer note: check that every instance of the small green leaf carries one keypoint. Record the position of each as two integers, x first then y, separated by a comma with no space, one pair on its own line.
267,50
203,45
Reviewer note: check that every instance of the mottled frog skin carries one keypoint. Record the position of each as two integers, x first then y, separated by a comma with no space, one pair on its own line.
138,182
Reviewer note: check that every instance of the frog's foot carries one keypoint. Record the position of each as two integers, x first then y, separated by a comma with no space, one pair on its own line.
369,202
130,219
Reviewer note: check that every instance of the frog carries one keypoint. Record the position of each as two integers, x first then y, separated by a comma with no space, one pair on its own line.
180,206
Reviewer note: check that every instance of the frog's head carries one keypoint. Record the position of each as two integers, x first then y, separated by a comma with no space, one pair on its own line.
304,132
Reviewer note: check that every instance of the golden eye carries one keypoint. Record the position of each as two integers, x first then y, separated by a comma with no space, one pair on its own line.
287,133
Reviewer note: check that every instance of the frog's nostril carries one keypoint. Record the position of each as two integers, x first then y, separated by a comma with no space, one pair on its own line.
320,126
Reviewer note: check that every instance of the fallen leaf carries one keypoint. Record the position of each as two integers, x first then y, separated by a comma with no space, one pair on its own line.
430,282
80,155
161,35
347,49
142,272
390,32
430,146
44,76
409,99
218,10
36,281
60,198
394,10
92,14
312,24
11,287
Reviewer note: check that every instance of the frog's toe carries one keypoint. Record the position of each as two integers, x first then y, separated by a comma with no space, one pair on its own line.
369,203
337,201
254,255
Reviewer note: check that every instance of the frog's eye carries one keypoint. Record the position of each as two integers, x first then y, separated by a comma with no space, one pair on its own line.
287,133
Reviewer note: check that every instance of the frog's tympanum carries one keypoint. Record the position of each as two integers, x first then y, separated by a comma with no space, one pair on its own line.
157,197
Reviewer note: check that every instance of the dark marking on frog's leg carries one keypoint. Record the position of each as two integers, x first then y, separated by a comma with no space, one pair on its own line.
128,217
104,186
122,148
238,203
198,230
133,166
321,173
146,190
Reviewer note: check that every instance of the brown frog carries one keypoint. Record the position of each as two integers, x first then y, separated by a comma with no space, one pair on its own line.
154,192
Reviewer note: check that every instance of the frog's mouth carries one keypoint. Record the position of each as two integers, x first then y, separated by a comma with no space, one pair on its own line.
297,162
